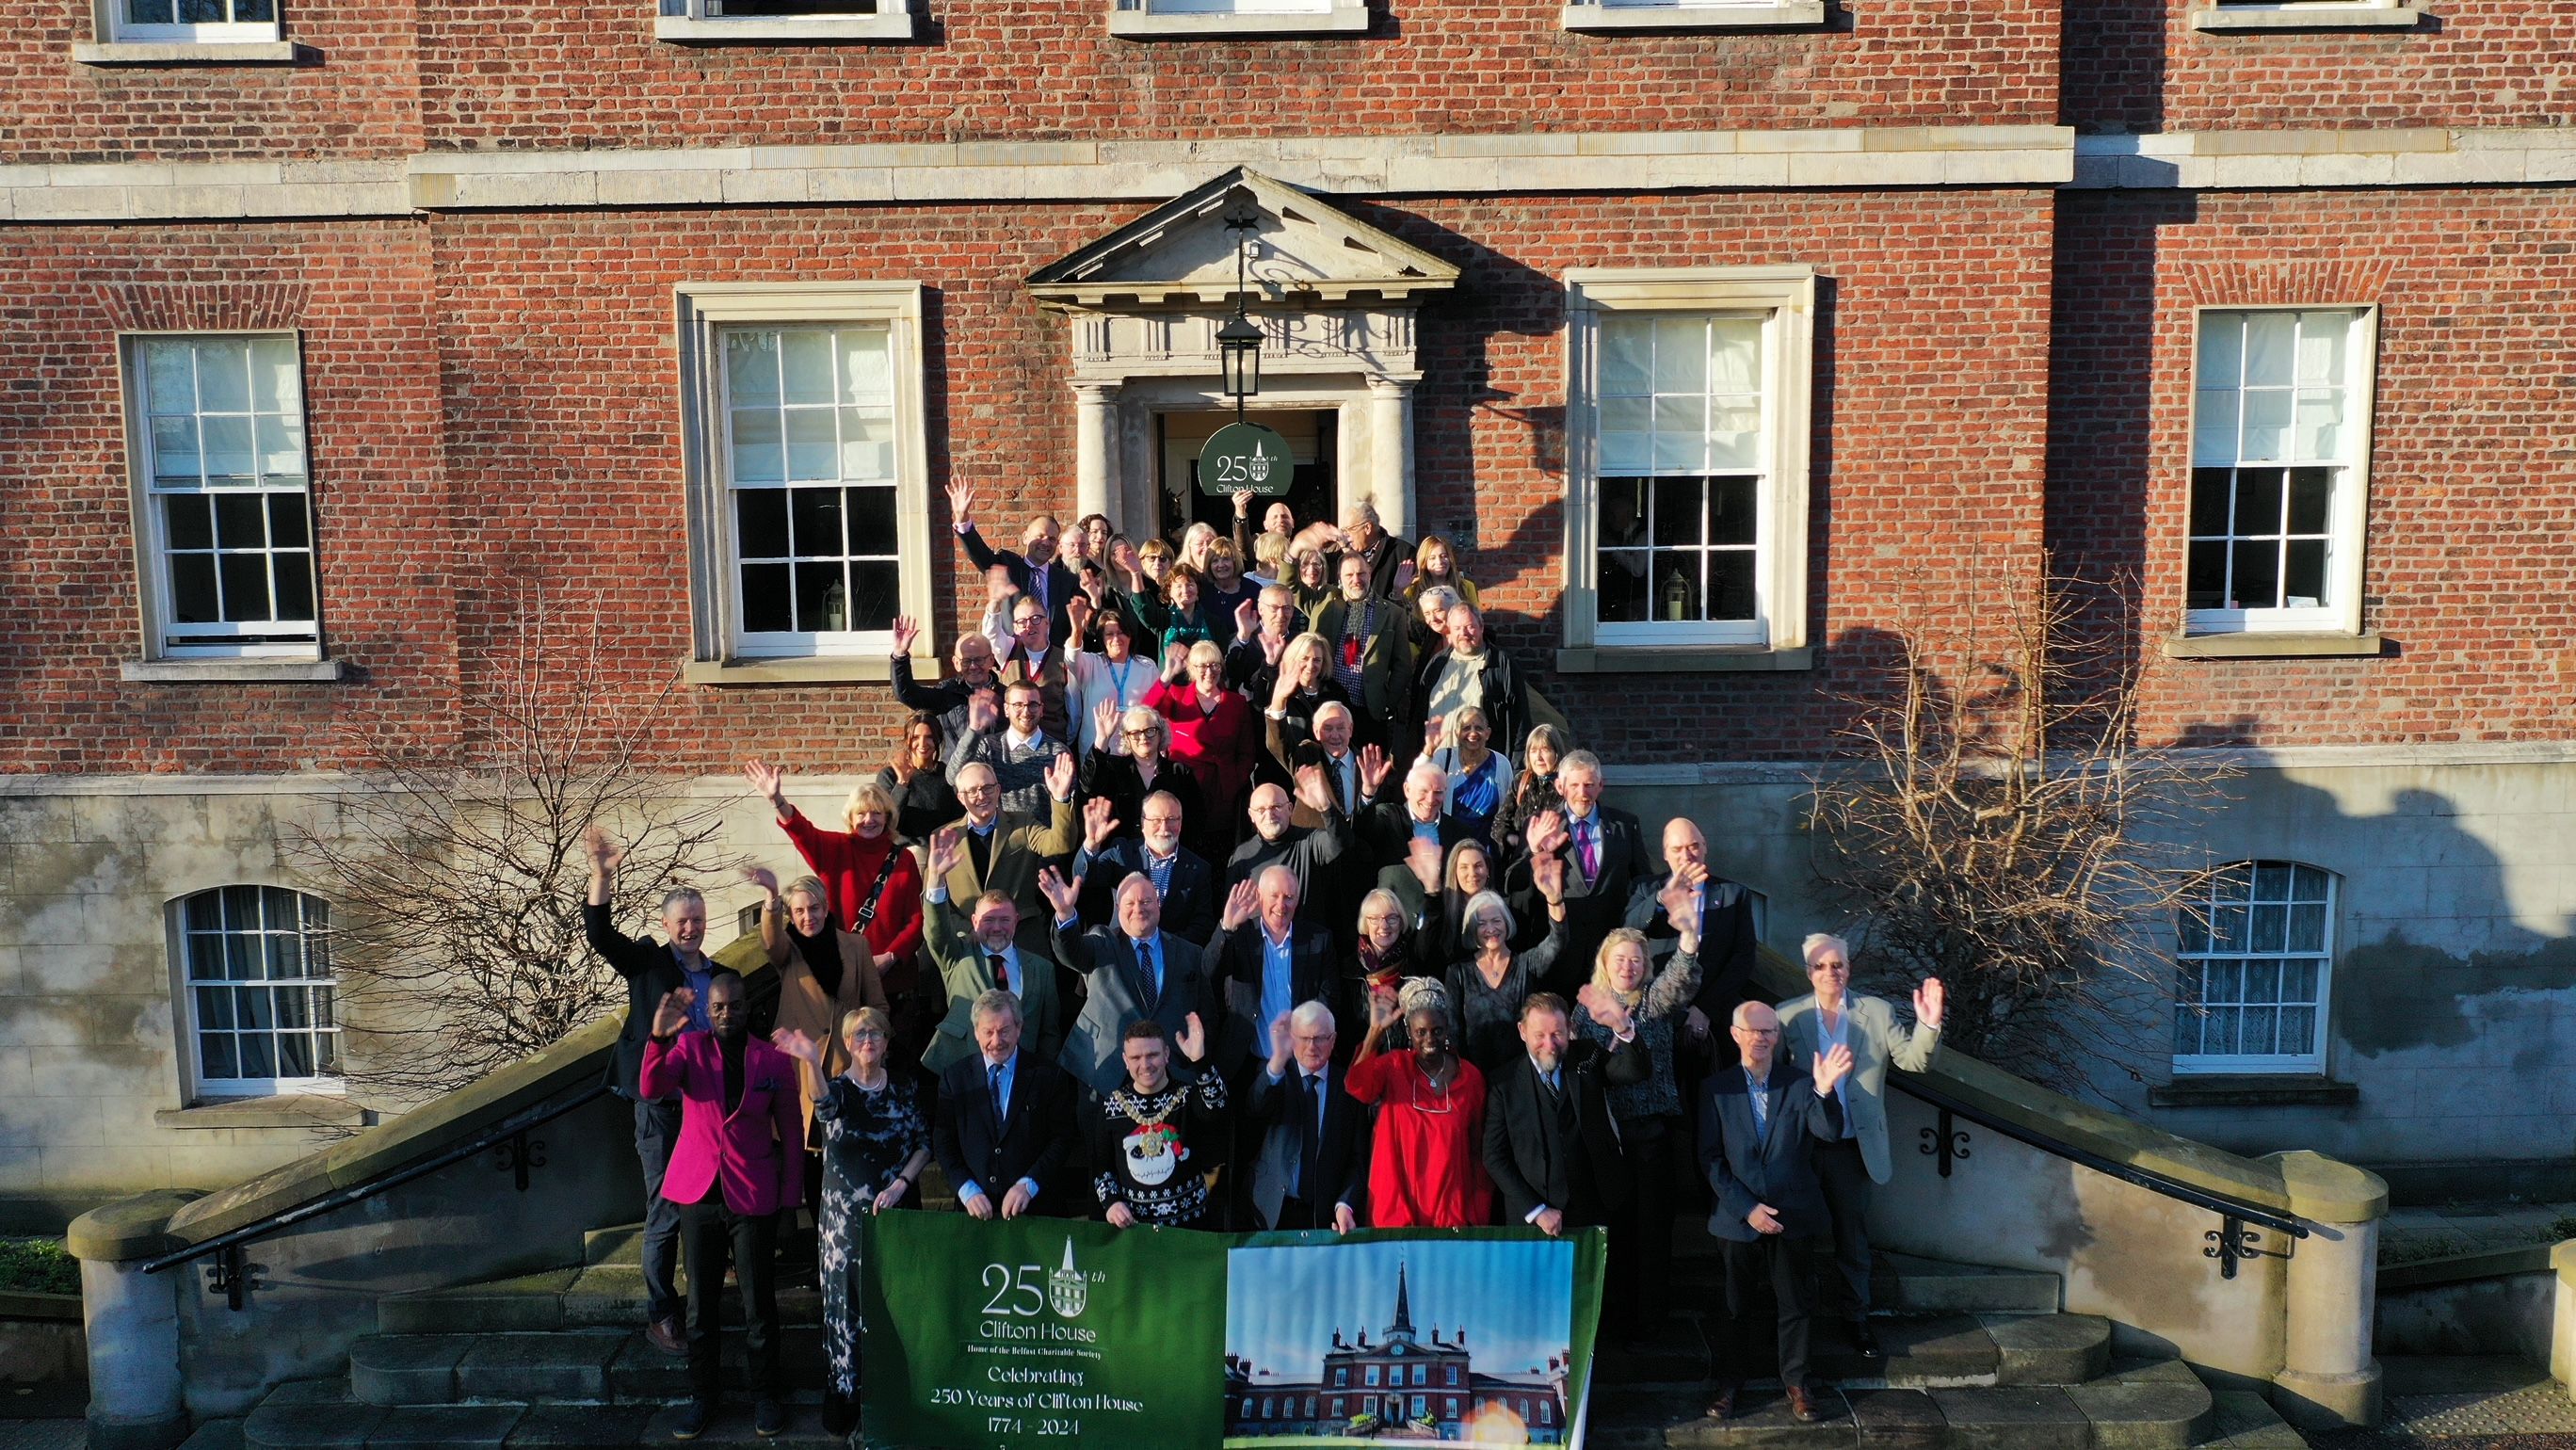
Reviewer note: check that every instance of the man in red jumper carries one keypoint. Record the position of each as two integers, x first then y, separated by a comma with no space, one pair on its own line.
738,1163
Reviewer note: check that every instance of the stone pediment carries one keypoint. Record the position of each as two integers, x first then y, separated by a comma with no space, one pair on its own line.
1180,254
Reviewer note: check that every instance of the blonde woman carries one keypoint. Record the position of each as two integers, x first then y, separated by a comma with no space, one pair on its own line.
1626,997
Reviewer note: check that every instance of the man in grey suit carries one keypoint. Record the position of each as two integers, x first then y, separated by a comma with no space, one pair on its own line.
1128,972
1857,1158
1759,1127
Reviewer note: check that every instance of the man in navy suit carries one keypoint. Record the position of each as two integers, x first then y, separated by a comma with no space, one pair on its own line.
1759,1126
1311,1170
1181,877
1605,854
1005,1119
1035,570
1126,972
1264,971
1388,829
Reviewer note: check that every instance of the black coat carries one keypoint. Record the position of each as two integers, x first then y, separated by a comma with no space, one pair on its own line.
1561,1153
1595,908
1385,833
1727,949
1032,1143
1115,777
1233,968
1337,1170
652,972
1780,1169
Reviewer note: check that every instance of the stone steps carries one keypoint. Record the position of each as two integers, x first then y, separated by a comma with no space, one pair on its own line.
568,1366
2159,1406
320,1415
595,1296
1920,1352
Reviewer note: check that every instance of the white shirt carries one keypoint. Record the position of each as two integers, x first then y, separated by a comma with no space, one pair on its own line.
1827,1039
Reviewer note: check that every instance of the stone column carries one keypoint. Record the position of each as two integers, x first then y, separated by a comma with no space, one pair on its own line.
2562,1315
1095,453
2328,1379
1391,452
132,1322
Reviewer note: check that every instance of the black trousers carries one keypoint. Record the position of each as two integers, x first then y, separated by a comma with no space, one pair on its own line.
710,1233
1845,1179
1781,1269
1300,1213
1640,1272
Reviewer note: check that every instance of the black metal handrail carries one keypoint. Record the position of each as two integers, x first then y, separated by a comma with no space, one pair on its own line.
483,1142
2146,1178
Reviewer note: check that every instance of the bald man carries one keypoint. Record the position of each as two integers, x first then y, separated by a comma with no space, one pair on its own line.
1727,946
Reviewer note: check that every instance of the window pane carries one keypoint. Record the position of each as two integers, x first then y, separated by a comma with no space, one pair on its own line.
2223,981
253,1009
2254,1031
229,457
1681,355
760,522
258,1055
1681,433
169,365
2298,1031
1735,356
1735,435
285,954
223,363
2271,924
174,453
280,446
295,1055
2318,425
751,368
2227,927
1623,586
245,583
188,520
2303,580
2218,1031
1627,356
2307,929
2210,500
2271,881
241,521
286,522
2213,429
870,514
866,374
816,513
766,608
2321,345
272,367
2307,883
291,575
757,457
867,444
877,593
216,1058
326,1054
812,451
2311,497
2222,350
1677,511
2258,575
205,912
806,359
192,589
1730,585
202,12
1732,509
1628,415
214,1007
2266,438
2270,341
2299,980
2263,981
1627,452
2205,578
822,598
294,1008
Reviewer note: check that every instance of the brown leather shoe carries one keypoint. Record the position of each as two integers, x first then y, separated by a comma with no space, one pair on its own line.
664,1335
1721,1406
1803,1407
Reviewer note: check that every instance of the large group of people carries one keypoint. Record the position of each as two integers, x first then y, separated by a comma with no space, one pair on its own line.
1203,893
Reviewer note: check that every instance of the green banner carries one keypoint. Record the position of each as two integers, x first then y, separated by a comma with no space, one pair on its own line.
1051,1332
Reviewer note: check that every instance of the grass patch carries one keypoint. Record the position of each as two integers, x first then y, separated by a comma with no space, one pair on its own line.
37,1266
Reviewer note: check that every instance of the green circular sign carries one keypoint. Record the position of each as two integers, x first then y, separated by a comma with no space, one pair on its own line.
1246,457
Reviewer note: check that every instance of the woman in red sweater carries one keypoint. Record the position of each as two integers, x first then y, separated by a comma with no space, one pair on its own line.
1214,732
875,883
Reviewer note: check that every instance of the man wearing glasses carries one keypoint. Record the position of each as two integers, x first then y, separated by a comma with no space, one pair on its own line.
1033,659
1018,746
1181,877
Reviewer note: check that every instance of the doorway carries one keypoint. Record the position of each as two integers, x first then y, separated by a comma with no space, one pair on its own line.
1313,437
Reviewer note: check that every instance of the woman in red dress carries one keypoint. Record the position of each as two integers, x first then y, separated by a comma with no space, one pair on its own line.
1427,1167
875,883
1214,732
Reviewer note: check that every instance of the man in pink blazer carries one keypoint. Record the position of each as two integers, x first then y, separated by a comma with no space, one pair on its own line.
739,1162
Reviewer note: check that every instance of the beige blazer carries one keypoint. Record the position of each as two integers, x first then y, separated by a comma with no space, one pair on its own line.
1875,1041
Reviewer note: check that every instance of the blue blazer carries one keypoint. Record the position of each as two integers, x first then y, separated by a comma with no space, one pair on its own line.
1780,1169
1189,906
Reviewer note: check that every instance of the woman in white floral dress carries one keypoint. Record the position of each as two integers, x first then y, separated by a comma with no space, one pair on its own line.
876,1141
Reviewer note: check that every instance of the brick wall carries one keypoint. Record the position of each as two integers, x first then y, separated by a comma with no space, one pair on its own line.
502,408
2472,490
361,98
2137,65
357,292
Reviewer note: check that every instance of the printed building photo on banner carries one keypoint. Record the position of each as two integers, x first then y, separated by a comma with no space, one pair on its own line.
1372,1342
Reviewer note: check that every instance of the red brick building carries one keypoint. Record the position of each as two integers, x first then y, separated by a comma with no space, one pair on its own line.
333,329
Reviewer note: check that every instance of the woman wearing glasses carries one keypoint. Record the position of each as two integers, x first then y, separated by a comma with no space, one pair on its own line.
875,1143
1131,760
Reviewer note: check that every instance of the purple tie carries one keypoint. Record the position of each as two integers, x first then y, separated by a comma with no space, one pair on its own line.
1589,851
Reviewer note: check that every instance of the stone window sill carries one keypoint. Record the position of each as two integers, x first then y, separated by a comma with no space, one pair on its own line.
303,1110
2315,15
2253,1090
231,671
187,52
1341,19
2258,645
1681,659
898,24
1778,15
841,670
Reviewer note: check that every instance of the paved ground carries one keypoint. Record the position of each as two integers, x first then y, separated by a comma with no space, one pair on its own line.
2412,1234
43,1435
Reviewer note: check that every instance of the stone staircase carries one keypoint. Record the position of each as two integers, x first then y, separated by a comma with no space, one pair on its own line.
1975,1359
